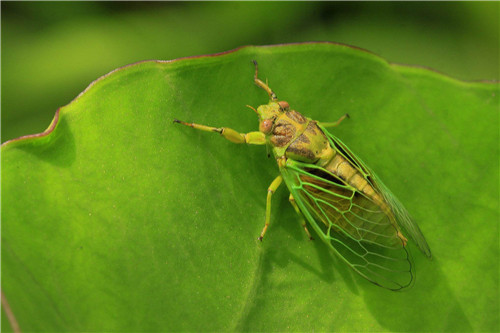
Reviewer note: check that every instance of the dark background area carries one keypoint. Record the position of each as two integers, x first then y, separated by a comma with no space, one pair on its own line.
52,50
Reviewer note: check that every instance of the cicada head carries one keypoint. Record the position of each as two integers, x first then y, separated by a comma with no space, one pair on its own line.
268,113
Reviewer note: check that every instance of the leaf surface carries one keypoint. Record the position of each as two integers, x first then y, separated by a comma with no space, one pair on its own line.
117,219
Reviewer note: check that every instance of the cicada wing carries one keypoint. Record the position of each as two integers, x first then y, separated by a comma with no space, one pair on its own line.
404,219
401,215
353,225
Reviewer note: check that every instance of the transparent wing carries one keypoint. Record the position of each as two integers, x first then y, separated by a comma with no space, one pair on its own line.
354,226
404,219
401,215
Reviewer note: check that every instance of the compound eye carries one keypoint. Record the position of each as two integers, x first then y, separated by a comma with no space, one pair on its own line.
284,105
266,126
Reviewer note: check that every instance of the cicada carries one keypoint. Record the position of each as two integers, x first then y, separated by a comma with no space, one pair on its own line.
347,205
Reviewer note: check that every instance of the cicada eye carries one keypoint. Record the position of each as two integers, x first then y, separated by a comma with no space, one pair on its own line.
284,105
266,126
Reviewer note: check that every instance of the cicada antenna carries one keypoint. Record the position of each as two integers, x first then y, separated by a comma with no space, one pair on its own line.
251,107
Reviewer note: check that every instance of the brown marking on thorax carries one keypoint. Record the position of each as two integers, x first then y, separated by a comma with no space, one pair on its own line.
297,117
283,133
287,127
310,146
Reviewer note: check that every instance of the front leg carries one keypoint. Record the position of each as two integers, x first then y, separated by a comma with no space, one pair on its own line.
254,138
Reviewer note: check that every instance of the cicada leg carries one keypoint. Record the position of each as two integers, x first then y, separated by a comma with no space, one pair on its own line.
254,138
335,123
270,190
302,220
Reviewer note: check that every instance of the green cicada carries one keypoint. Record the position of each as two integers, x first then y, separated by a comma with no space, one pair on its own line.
347,205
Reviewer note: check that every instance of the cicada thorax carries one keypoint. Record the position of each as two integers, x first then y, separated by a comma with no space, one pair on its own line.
299,138
287,127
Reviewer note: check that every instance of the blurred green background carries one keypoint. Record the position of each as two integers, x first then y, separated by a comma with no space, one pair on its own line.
52,50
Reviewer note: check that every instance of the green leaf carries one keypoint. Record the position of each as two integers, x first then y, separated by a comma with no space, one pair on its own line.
117,219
